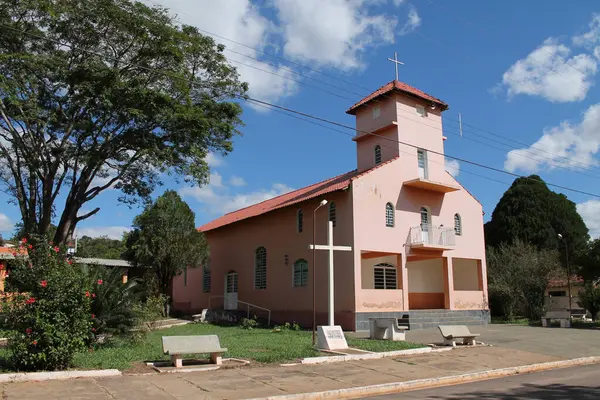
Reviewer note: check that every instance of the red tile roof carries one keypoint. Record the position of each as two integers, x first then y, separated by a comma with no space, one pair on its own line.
560,282
401,87
309,192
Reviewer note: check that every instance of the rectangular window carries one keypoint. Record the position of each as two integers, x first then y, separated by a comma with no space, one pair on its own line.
376,112
422,162
206,278
300,273
385,278
421,111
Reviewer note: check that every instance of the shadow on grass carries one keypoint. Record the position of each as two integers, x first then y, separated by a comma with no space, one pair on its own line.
530,392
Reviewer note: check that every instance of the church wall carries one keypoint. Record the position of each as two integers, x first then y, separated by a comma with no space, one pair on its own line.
364,116
365,148
232,248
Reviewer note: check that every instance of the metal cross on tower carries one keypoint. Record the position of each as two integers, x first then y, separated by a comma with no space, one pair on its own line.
395,61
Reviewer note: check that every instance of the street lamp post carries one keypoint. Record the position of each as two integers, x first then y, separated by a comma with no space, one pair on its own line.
568,269
314,267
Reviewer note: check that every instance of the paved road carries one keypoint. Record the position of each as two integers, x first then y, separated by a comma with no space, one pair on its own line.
561,384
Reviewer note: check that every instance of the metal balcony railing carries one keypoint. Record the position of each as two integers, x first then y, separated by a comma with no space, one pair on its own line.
431,236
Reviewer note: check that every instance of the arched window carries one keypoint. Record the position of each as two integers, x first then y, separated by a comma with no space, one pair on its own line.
457,224
299,221
332,212
300,273
385,276
389,215
377,154
260,269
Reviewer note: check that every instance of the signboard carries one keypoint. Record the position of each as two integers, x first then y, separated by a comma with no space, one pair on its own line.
331,338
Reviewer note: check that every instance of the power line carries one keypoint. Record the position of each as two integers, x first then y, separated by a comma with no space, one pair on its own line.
533,151
540,158
338,124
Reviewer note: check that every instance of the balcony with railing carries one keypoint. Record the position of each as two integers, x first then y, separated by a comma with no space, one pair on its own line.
431,237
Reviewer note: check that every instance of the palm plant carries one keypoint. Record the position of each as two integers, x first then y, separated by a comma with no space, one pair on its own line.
113,302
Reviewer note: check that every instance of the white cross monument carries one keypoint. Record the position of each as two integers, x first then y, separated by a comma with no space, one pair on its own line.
395,61
330,337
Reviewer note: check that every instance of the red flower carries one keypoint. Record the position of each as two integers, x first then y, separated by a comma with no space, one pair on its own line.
24,240
44,283
1,267
93,329
56,249
30,300
87,294
34,342
30,247
70,262
28,331
14,253
99,281
93,295
93,315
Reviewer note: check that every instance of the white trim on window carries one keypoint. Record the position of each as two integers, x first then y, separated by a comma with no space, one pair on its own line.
389,215
376,112
457,224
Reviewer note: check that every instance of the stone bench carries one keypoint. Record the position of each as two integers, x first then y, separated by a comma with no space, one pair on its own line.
451,333
386,329
177,346
564,317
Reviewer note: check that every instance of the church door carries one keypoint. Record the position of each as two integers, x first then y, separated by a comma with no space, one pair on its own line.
231,291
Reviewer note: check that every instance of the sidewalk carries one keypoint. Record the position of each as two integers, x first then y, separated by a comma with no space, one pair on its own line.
253,382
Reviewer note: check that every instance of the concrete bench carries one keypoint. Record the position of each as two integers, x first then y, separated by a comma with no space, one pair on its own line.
451,333
564,317
386,329
177,346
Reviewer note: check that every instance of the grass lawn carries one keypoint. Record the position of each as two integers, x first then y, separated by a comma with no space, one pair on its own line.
514,321
258,345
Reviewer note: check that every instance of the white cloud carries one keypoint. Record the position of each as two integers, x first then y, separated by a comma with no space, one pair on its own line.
332,33
566,145
412,23
241,21
214,160
550,71
590,212
5,223
113,232
218,199
237,181
590,38
453,167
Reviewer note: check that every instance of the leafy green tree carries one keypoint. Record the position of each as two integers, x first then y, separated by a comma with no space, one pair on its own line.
589,298
590,261
165,239
518,275
99,94
530,212
101,247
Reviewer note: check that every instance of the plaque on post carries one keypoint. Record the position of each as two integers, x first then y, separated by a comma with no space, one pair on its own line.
331,338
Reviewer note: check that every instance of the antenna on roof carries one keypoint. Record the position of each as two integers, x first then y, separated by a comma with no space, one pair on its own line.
460,124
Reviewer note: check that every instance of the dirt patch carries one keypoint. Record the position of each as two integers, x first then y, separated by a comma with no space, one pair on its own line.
139,368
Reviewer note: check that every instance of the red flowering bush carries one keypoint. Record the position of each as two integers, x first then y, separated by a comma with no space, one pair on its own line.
50,314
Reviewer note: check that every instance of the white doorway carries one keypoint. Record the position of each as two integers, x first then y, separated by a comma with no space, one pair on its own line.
422,160
425,224
231,291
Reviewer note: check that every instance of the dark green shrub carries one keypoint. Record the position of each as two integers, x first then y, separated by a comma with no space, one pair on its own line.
50,314
589,298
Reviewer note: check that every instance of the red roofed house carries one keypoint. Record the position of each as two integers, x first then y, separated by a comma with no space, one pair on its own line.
416,234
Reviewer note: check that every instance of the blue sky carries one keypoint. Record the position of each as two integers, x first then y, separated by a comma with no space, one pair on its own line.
523,70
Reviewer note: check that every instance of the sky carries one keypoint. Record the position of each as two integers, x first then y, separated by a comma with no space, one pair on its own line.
523,76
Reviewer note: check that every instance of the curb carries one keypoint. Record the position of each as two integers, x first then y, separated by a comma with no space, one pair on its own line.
370,356
57,375
397,387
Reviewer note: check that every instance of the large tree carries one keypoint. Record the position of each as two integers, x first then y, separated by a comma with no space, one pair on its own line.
166,240
530,212
100,247
99,94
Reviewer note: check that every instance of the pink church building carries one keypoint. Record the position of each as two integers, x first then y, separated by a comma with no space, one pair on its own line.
416,234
